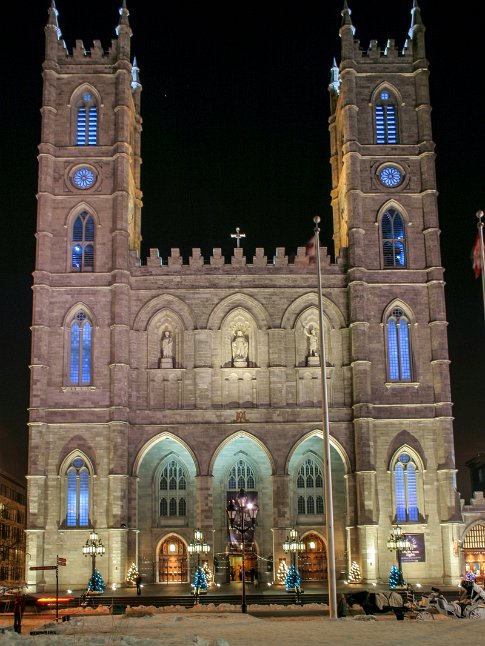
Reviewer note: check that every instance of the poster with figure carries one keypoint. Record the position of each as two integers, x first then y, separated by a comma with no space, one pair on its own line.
417,553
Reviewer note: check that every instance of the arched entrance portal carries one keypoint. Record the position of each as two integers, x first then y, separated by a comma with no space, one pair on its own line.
172,561
312,562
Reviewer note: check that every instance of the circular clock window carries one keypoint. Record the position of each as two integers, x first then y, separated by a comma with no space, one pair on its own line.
83,177
390,176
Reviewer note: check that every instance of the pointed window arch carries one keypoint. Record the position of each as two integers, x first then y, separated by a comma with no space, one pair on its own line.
398,346
309,488
173,485
87,121
80,350
406,473
241,476
386,117
393,234
78,493
82,243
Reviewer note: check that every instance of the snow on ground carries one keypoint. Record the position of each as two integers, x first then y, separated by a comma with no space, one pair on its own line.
226,625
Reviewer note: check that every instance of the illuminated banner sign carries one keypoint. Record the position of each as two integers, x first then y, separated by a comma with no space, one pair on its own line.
417,553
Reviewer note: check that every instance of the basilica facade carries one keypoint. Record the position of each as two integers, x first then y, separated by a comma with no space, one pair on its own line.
161,387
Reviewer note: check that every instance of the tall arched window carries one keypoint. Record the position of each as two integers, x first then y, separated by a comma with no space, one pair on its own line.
398,346
241,476
406,489
309,488
385,115
80,350
77,514
82,244
173,490
393,239
87,121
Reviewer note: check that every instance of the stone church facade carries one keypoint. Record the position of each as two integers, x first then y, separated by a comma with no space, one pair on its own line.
160,388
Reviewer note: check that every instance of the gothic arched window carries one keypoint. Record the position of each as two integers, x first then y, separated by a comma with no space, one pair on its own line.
80,350
398,346
309,488
82,243
406,488
78,476
393,239
87,121
241,476
173,486
385,115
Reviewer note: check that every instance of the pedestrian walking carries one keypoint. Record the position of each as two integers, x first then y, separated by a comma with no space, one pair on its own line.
138,584
18,611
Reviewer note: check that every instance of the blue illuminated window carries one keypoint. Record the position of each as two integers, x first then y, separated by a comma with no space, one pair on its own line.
309,485
398,346
82,244
393,239
80,350
87,122
405,486
385,114
241,476
173,479
77,494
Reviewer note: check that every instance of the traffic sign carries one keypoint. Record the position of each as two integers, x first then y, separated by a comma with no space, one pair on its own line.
43,567
61,561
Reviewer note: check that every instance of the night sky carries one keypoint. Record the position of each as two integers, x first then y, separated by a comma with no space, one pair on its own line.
235,110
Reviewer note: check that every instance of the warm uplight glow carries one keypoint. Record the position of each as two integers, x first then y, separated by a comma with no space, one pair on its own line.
113,587
69,591
53,599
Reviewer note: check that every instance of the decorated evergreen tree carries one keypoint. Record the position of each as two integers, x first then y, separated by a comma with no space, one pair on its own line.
132,574
396,578
282,572
292,579
200,580
95,583
354,574
470,577
208,573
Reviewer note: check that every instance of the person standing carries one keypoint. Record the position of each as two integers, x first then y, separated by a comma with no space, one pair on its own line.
18,610
138,584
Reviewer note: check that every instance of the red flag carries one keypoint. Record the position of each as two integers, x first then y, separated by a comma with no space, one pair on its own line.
310,248
477,256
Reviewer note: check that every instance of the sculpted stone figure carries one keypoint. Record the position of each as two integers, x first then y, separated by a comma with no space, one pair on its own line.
167,345
240,348
312,341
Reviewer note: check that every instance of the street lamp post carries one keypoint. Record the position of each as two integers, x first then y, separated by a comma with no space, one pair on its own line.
398,543
198,546
94,547
293,544
237,510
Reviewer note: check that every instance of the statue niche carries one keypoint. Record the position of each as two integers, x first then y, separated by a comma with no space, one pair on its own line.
313,358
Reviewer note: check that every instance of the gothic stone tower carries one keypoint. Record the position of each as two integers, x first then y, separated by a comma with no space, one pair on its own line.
160,387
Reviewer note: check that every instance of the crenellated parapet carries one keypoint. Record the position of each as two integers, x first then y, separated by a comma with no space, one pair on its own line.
301,262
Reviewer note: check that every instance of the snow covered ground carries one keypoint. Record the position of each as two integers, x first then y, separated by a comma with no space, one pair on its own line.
221,625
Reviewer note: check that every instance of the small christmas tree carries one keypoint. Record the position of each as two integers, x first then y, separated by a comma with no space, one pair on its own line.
132,574
292,579
200,580
396,578
282,572
354,574
208,573
470,577
95,583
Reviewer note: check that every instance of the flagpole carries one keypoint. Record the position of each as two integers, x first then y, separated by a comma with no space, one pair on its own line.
332,581
480,215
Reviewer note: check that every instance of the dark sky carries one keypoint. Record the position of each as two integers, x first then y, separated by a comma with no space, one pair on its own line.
235,109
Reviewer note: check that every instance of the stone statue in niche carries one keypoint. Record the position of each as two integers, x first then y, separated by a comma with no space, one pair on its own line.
167,350
240,347
313,358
